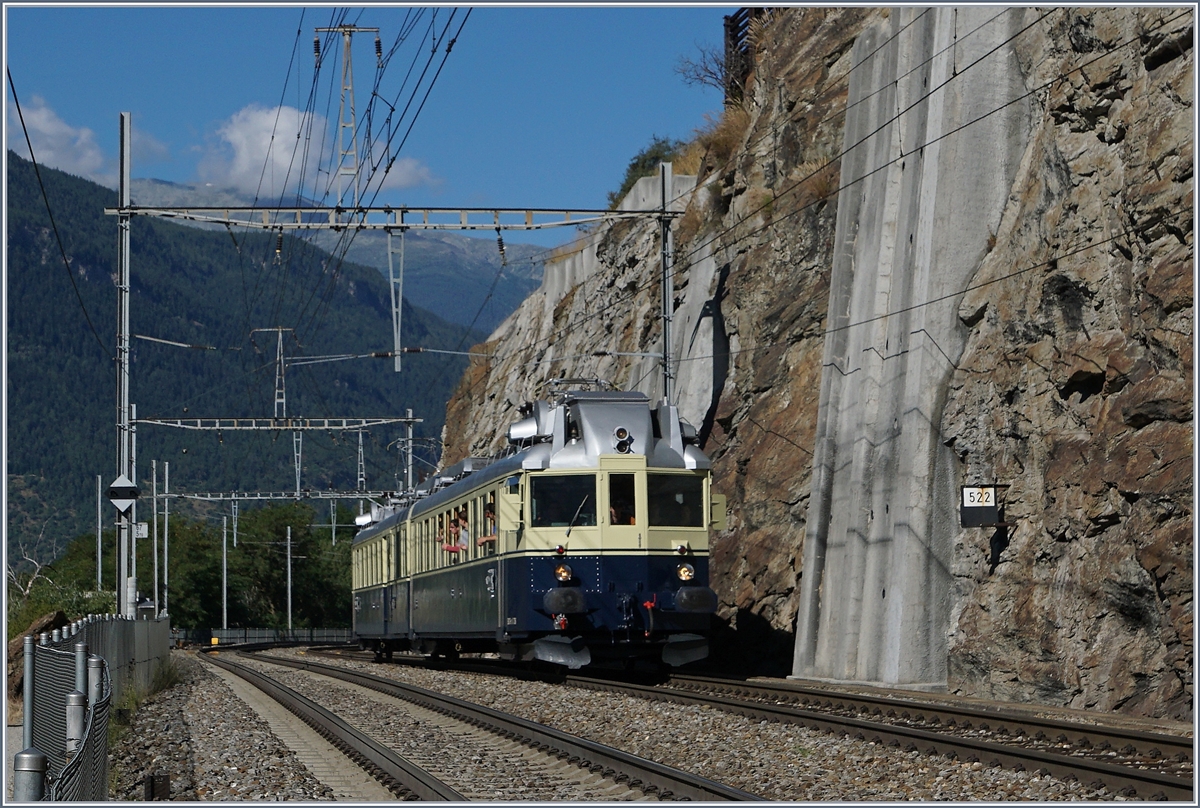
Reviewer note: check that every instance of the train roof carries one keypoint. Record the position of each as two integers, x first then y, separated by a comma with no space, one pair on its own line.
571,431
473,474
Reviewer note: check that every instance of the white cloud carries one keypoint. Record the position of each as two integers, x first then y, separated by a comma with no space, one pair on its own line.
58,144
259,153
406,172
258,145
148,149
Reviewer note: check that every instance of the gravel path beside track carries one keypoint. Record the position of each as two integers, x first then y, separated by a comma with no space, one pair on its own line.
478,763
213,746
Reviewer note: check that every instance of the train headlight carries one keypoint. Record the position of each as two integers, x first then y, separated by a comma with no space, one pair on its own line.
685,572
563,572
682,549
560,549
622,440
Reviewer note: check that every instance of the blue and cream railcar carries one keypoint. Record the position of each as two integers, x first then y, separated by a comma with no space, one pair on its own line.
589,543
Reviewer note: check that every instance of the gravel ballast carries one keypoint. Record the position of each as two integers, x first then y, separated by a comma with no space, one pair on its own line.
217,749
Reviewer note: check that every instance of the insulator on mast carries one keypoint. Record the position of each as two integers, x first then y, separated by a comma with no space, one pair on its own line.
378,49
317,48
500,244
279,244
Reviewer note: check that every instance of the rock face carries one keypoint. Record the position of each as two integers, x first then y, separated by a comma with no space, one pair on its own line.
1063,363
1075,384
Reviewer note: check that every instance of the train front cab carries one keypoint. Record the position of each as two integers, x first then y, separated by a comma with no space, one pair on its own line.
630,579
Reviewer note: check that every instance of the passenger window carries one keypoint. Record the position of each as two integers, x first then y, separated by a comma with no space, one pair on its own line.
488,539
621,500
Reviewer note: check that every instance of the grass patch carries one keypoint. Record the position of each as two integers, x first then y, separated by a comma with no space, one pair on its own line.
819,180
689,158
689,223
122,712
722,136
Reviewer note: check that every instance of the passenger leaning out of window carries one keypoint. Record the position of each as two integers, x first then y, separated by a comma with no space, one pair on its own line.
464,530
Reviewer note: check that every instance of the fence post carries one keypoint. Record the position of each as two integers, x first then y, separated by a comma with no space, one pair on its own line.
77,700
76,716
81,657
27,707
95,678
29,775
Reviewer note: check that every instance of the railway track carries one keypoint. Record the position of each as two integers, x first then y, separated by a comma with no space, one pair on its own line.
1010,739
600,771
1154,750
397,773
1129,762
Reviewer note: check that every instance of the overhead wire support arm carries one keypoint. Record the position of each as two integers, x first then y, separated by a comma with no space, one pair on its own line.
347,167
390,217
396,282
273,424
246,496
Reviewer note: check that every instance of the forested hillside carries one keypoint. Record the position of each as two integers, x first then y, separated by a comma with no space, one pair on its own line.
200,288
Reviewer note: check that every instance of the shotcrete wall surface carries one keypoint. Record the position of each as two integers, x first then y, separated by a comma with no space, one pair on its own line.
919,202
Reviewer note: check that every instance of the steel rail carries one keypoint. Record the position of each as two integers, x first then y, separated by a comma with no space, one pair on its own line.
358,746
913,706
997,719
646,775
1118,779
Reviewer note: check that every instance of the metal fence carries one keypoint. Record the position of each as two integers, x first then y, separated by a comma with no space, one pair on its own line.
739,52
73,677
228,636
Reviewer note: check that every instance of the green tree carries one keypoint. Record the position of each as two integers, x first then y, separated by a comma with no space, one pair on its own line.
645,164
256,569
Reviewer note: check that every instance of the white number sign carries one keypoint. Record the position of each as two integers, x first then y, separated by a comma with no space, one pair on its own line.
979,497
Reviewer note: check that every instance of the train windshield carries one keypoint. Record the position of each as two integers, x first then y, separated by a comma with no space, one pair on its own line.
675,500
563,501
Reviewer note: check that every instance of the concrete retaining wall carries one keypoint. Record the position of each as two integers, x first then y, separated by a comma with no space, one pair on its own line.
913,228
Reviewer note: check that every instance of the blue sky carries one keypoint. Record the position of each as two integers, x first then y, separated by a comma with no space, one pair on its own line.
535,106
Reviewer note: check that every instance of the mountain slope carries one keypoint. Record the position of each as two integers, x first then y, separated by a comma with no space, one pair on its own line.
200,288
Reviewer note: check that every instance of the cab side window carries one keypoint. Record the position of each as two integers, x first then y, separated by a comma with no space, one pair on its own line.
622,503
